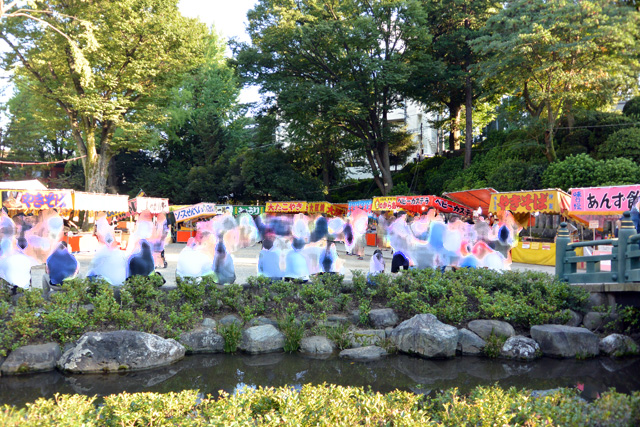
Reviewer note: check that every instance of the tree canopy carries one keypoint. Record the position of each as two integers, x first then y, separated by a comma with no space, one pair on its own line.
343,60
111,83
559,55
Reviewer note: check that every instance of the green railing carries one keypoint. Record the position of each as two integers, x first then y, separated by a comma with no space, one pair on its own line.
624,257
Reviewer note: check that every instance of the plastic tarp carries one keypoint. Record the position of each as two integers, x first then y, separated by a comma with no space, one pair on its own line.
480,198
98,202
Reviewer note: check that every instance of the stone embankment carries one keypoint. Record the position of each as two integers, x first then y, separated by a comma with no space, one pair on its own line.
422,335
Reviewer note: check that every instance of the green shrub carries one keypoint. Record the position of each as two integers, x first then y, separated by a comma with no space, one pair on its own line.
632,108
232,334
293,331
332,405
624,143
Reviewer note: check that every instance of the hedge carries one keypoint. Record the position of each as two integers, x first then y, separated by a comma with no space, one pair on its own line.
330,405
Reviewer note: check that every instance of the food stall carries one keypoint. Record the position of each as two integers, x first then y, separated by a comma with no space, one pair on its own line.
91,203
524,205
601,207
185,216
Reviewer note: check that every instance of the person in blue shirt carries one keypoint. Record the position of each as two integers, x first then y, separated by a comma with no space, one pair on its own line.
60,265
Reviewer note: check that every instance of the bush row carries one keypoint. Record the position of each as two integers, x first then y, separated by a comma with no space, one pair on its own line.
330,405
455,297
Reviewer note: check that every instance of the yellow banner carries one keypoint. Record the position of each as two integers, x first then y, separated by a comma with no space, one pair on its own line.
384,203
286,207
326,208
545,201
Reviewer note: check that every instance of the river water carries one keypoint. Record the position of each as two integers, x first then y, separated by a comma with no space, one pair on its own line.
211,373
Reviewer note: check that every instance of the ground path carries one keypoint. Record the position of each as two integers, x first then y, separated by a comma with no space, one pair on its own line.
246,262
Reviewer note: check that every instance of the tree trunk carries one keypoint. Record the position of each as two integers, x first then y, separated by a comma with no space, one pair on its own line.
95,164
550,151
469,121
454,134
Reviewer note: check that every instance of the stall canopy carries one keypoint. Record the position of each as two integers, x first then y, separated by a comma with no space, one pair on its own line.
30,184
603,203
37,199
325,208
196,211
365,205
100,202
475,199
420,204
251,210
286,207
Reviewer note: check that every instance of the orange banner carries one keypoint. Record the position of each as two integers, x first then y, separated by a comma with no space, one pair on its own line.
286,207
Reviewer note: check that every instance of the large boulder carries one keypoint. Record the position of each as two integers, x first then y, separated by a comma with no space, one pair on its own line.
317,345
426,336
484,328
31,358
521,348
364,354
366,337
595,320
120,351
565,341
383,317
575,319
202,340
262,339
617,345
470,343
229,319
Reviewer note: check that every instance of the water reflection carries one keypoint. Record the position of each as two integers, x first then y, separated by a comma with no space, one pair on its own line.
211,373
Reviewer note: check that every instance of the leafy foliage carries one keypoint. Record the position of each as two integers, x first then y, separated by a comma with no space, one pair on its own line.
327,405
622,143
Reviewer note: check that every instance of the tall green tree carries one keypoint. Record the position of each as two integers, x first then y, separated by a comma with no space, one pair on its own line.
343,60
204,130
112,93
559,55
446,78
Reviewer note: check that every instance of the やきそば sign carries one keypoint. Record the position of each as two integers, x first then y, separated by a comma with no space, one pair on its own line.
37,199
545,201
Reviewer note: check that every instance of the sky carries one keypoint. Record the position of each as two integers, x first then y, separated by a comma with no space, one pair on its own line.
229,18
